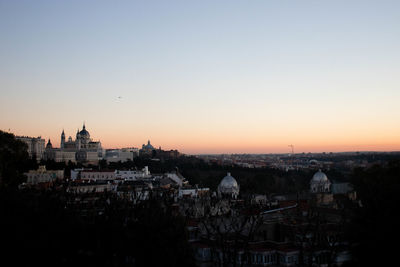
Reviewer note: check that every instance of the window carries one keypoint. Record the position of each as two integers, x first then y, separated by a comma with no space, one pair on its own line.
282,258
259,260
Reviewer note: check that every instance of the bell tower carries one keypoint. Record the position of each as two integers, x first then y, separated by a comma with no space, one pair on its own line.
62,139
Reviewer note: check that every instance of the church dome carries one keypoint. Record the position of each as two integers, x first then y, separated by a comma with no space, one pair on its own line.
49,145
84,133
319,177
228,185
320,183
148,146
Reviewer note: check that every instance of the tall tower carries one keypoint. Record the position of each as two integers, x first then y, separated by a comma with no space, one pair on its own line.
78,140
62,139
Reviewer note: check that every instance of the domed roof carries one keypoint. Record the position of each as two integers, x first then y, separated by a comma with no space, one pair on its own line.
148,146
84,133
228,184
49,145
319,177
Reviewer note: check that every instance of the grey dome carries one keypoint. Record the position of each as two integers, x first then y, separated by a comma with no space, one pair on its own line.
148,146
319,177
228,185
49,145
84,133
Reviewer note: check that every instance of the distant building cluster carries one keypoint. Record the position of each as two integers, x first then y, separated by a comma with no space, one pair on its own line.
290,162
84,149
285,230
225,229
149,150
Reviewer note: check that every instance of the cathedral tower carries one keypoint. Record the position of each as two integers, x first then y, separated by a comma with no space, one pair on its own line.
62,139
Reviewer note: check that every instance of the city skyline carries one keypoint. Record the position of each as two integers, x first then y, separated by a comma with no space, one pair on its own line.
226,77
278,149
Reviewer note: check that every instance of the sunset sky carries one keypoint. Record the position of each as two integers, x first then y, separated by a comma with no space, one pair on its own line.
204,76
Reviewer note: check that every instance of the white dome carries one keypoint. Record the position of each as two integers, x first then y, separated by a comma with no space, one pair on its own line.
320,183
319,176
228,185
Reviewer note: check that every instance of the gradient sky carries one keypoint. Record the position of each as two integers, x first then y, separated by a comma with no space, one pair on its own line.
204,76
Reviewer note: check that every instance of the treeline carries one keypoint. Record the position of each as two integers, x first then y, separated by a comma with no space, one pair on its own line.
258,181
41,228
14,160
375,229
198,172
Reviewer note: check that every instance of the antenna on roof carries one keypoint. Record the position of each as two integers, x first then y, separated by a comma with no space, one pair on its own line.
292,146
292,155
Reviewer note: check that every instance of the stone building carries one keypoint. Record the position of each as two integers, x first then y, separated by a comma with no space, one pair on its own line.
35,146
320,183
82,149
228,186
41,175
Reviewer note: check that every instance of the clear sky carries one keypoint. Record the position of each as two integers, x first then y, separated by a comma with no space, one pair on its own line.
204,76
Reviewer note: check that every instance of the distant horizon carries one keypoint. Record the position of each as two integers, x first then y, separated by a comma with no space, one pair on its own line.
56,143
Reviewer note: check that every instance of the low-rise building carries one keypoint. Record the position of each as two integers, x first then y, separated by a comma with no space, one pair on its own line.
123,154
132,174
98,175
35,146
41,175
91,187
192,192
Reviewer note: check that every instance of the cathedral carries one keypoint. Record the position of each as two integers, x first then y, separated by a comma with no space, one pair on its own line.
82,149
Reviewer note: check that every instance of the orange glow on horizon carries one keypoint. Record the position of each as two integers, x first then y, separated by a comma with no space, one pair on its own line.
228,137
214,144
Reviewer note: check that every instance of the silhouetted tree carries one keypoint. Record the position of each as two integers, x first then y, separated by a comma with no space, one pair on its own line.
376,227
14,159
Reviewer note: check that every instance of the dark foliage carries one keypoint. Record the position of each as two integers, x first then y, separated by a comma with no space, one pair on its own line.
14,160
375,231
40,228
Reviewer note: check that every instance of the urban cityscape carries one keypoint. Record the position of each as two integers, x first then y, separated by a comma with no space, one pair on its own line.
293,209
212,133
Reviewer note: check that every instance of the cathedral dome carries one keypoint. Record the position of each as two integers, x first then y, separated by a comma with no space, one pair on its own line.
228,185
319,177
148,146
320,183
84,133
49,145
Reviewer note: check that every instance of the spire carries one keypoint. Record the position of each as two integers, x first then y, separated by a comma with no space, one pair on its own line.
49,145
83,126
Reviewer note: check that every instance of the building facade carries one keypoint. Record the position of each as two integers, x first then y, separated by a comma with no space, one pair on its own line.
41,175
228,186
82,149
35,146
123,154
320,183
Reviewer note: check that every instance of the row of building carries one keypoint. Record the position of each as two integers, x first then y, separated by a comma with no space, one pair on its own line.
303,230
84,149
224,229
